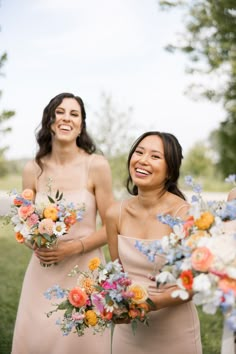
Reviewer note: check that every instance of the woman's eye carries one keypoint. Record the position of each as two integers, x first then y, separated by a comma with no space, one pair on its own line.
138,152
58,112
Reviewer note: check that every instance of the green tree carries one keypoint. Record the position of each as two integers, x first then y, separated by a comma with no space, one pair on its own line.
209,40
113,134
4,117
199,161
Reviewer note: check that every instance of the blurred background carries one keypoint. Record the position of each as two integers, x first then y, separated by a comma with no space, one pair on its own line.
138,65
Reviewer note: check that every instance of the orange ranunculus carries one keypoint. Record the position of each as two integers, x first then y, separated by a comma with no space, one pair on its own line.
28,194
134,312
205,221
139,293
25,210
70,220
228,284
77,297
144,306
19,237
94,263
187,279
202,259
91,318
17,201
51,212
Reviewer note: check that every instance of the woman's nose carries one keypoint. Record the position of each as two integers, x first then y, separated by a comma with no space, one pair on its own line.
143,158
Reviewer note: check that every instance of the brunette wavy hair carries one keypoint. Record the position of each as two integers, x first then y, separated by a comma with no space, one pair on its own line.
44,134
173,156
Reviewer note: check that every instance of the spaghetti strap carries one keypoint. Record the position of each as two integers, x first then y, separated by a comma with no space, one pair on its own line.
181,206
120,211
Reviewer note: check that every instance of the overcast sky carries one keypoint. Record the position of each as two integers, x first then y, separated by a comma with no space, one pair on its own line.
88,47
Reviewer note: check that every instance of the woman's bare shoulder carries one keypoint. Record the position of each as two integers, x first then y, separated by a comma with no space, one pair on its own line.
232,194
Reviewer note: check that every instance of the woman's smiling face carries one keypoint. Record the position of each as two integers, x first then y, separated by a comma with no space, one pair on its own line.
148,166
68,120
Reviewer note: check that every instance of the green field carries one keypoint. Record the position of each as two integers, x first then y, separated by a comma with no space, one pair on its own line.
13,261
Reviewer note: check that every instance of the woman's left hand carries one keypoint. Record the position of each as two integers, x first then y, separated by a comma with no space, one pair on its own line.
55,254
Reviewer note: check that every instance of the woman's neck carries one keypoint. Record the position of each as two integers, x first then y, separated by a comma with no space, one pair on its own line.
65,154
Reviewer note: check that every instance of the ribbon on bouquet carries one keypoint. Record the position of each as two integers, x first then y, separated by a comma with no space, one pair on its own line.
227,343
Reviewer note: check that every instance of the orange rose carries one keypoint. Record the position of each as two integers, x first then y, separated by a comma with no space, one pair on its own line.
19,237
28,194
94,263
202,259
50,212
77,297
205,221
139,293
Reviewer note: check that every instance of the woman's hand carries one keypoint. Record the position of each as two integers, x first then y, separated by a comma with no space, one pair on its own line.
56,254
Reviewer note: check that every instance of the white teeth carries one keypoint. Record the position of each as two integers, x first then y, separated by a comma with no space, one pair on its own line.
142,171
65,127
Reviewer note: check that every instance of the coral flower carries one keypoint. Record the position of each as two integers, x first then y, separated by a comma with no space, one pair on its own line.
17,201
51,212
77,297
25,210
28,194
205,221
91,318
228,284
139,293
188,224
19,237
94,263
201,259
187,279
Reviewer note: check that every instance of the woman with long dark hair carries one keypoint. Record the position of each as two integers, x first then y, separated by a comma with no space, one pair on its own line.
153,170
65,161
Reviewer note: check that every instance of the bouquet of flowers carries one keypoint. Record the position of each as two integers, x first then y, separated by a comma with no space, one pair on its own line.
42,224
201,255
102,295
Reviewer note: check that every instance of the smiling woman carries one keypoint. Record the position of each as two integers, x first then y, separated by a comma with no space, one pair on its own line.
65,161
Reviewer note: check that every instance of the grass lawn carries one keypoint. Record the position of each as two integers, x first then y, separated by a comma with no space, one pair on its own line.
13,261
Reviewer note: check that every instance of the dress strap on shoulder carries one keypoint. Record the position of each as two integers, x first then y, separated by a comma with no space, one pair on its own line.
120,211
179,208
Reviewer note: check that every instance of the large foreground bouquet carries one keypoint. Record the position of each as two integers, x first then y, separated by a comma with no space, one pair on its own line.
101,296
201,255
44,223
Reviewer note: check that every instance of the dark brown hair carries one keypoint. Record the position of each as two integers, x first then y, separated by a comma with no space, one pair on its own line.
173,156
44,134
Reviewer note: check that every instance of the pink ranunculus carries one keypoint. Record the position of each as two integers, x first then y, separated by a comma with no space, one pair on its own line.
202,259
25,210
77,297
106,285
32,220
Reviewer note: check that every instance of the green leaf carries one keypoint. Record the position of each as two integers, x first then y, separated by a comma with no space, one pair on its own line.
51,199
57,194
134,326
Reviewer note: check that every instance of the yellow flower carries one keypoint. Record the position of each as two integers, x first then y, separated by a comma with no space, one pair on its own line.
140,293
91,318
94,263
50,212
205,221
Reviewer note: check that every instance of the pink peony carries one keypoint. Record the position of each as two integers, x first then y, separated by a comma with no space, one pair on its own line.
46,227
25,210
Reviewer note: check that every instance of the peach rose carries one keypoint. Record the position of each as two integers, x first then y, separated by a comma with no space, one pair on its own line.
25,210
28,194
201,259
139,293
77,297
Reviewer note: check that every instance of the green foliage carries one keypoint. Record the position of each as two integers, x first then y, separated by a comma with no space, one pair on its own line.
13,261
4,117
197,162
209,41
